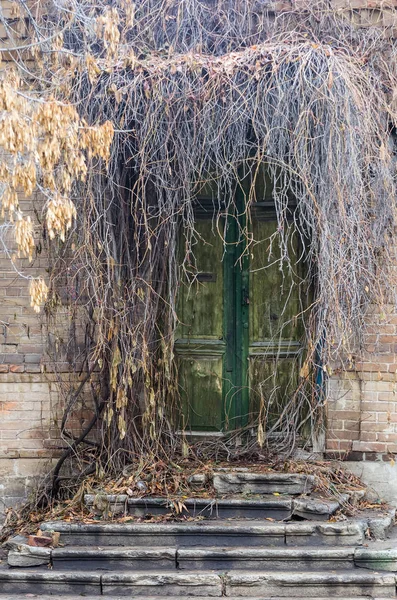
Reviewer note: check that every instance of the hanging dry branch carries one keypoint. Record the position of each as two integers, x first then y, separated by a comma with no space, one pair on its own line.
136,105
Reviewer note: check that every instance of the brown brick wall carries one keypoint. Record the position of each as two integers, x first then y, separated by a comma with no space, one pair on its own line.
29,399
362,404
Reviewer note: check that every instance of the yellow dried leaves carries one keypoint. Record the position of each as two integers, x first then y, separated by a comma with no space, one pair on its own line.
15,134
107,28
92,67
8,98
38,291
97,140
129,8
121,398
261,435
24,236
9,202
122,427
24,176
45,141
59,217
56,118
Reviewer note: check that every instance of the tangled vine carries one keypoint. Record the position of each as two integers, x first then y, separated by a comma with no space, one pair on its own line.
134,107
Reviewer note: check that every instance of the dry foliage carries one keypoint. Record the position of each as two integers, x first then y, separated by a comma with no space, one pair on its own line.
172,481
120,112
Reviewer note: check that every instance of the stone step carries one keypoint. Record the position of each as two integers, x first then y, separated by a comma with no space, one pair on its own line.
278,508
93,557
378,559
194,558
294,559
134,559
220,533
311,584
85,597
266,559
271,507
44,581
261,584
247,482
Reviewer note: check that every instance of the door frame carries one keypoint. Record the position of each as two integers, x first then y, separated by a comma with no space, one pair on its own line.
236,317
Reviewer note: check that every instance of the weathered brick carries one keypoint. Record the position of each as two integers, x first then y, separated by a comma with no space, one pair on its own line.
13,359
391,448
387,437
17,368
339,445
16,486
384,417
370,446
33,368
351,425
343,434
6,468
33,358
377,367
376,427
31,467
387,339
345,414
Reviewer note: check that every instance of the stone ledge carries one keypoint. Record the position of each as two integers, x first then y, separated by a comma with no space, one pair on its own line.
24,582
310,585
90,597
275,507
140,584
218,533
379,557
30,454
359,456
262,483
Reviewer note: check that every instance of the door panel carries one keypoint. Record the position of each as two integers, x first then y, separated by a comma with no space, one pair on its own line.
201,297
275,324
199,344
273,381
200,380
274,306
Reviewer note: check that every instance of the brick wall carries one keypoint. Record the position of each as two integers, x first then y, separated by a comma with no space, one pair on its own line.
28,398
362,405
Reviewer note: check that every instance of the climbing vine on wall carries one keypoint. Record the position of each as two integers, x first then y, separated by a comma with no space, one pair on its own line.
120,112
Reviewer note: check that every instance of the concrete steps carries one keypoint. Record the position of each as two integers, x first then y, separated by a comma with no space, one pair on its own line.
222,533
122,558
268,507
267,559
243,481
96,597
277,508
233,494
232,547
221,559
201,583
311,584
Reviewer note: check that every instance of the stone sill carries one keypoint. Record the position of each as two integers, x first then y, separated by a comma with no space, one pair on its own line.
34,454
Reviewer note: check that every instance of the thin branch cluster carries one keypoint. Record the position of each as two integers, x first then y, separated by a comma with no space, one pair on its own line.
175,95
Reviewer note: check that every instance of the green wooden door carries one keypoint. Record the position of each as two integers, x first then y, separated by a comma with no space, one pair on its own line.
238,342
275,319
200,343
